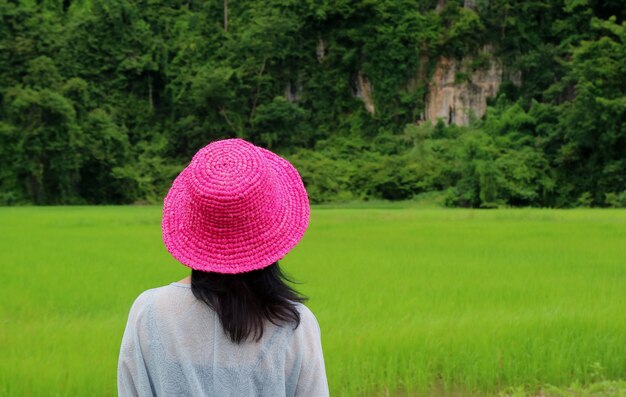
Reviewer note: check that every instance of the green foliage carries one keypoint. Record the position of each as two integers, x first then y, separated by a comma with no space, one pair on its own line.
343,169
41,148
324,178
594,121
105,146
463,32
148,177
279,124
490,164
616,200
584,200
102,101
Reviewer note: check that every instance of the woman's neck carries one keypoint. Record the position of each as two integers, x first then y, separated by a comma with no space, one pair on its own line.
186,280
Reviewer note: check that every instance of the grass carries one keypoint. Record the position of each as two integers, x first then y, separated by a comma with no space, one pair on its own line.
410,300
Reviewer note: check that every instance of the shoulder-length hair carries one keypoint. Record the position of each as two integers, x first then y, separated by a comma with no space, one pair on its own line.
244,301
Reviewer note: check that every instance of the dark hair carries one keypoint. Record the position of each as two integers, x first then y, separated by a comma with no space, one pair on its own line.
244,301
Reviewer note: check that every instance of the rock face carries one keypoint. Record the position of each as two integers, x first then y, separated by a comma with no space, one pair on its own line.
321,50
457,89
362,89
292,91
365,92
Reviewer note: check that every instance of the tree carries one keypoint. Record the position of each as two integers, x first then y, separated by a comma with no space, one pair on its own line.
594,123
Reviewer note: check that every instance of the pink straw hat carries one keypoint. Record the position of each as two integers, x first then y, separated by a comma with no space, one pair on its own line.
235,208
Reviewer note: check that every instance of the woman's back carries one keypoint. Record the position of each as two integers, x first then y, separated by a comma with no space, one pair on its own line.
174,344
239,328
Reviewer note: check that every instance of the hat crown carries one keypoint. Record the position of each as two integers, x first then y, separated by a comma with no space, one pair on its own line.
232,185
236,207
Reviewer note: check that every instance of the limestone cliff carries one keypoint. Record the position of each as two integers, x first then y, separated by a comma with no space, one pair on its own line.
459,88
364,91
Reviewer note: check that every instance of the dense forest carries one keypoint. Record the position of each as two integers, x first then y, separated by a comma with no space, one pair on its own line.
104,101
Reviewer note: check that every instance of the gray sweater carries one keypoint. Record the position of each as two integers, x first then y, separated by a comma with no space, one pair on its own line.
174,345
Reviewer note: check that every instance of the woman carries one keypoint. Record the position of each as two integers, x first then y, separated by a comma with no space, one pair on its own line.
233,327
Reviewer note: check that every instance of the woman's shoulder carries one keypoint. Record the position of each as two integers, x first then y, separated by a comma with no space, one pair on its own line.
147,298
303,309
308,320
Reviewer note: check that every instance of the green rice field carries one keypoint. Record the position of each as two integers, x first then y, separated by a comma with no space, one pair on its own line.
411,301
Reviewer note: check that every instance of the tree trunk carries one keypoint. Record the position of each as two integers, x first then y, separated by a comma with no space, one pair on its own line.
258,88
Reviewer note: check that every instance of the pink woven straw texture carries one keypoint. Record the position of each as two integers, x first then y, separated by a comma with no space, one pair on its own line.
235,208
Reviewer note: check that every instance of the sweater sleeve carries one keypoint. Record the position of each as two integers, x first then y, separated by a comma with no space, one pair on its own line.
132,373
312,380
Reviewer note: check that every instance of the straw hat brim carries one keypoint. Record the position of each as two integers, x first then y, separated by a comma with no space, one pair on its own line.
240,252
